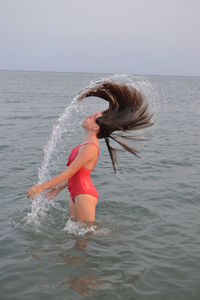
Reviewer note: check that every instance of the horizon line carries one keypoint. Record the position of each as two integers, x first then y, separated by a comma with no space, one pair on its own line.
89,72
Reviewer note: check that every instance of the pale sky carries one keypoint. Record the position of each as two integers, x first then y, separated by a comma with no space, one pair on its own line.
108,36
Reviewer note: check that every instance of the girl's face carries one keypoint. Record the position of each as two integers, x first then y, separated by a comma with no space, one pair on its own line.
90,122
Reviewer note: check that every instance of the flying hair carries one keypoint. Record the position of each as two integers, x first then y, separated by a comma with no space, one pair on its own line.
127,111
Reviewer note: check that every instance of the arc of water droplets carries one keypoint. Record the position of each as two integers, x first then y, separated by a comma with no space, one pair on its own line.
39,207
62,126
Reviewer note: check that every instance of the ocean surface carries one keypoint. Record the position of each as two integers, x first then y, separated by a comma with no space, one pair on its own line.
146,240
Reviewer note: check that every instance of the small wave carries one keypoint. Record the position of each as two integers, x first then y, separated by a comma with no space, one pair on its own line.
81,229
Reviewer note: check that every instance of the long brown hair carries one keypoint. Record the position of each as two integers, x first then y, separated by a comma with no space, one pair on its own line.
127,111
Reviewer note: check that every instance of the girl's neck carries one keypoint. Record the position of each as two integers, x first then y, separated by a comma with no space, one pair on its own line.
91,138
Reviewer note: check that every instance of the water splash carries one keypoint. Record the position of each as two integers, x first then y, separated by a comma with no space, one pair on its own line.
52,152
62,126
80,229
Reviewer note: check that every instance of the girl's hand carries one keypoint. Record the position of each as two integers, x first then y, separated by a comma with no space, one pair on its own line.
34,191
52,193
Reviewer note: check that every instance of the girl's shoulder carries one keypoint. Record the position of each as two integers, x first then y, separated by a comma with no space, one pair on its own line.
89,145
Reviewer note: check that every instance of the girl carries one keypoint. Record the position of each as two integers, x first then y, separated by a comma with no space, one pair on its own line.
127,111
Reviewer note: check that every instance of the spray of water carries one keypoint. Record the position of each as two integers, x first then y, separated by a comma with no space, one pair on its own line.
80,229
62,126
51,155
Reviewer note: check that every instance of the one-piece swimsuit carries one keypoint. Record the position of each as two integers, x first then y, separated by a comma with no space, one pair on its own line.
81,183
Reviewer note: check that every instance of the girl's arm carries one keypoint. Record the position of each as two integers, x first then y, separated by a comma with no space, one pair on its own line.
86,154
53,192
62,185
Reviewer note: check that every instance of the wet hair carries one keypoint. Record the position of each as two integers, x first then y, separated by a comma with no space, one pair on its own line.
127,111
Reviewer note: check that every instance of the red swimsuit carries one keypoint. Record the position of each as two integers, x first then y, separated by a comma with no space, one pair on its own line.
80,182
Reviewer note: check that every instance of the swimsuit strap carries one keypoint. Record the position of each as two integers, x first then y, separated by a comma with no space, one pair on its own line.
90,143
97,150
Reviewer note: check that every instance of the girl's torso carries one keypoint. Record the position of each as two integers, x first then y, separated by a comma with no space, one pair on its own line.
80,182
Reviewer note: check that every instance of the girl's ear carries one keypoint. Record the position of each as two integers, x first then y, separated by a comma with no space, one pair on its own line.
96,127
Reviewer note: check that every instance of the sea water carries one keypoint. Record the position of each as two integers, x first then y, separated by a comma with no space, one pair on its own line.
145,243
